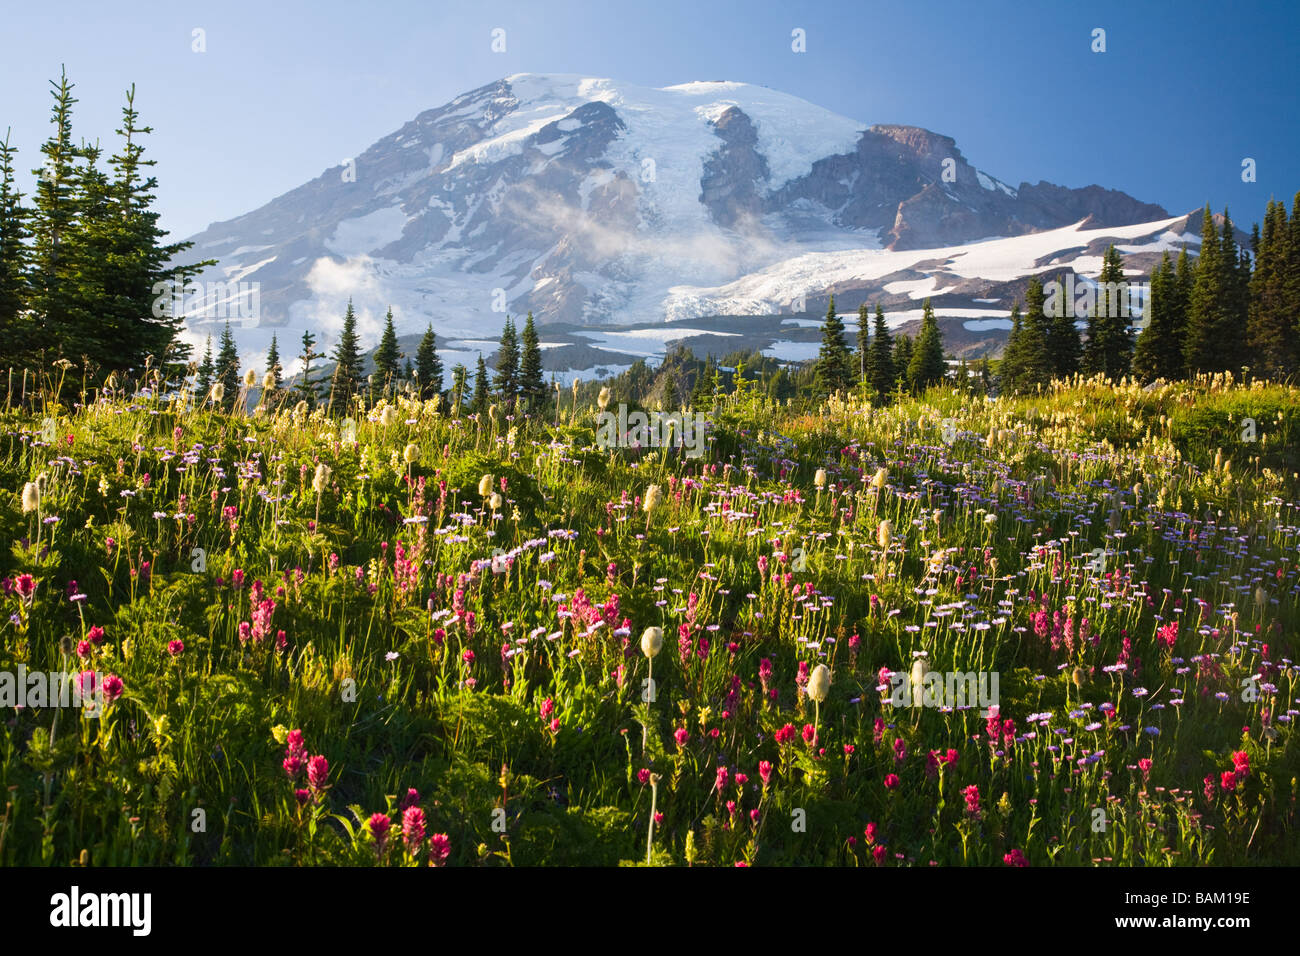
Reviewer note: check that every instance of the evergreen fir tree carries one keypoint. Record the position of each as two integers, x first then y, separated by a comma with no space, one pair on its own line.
1063,345
902,360
927,366
273,365
507,372
864,369
388,356
15,340
305,390
228,368
207,372
1011,366
834,368
1036,355
1271,327
1109,348
1155,342
1206,312
55,215
479,404
459,376
428,366
532,385
347,366
883,375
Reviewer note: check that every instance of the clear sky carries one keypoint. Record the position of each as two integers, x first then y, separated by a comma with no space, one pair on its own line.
1184,91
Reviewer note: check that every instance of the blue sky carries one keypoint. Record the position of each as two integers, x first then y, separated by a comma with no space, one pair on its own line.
1184,92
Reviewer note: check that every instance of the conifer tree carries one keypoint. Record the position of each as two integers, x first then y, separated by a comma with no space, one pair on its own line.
479,404
228,368
863,363
1064,347
834,368
1156,340
1109,348
347,366
883,375
273,365
15,340
55,215
507,372
1035,353
428,366
1271,327
305,390
927,366
459,377
532,386
206,373
902,360
388,356
1206,312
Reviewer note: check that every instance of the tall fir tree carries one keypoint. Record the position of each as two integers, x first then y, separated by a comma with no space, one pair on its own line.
1207,313
883,375
388,356
348,372
1011,365
273,365
459,377
1109,349
428,366
228,368
862,359
15,339
1157,344
1036,353
902,360
532,384
1271,327
206,373
1064,347
141,260
306,389
927,366
482,391
54,217
507,371
834,368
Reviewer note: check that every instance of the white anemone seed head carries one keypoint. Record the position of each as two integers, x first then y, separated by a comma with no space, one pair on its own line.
819,479
652,641
603,399
819,683
320,481
218,392
495,502
485,486
388,416
885,533
31,497
250,378
268,381
411,453
653,495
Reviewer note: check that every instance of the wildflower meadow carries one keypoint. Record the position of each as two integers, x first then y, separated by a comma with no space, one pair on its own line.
1056,629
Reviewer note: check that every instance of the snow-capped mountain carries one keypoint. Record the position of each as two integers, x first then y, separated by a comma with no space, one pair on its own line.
594,202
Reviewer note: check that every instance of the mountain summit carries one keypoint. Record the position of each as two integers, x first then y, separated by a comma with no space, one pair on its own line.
590,201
